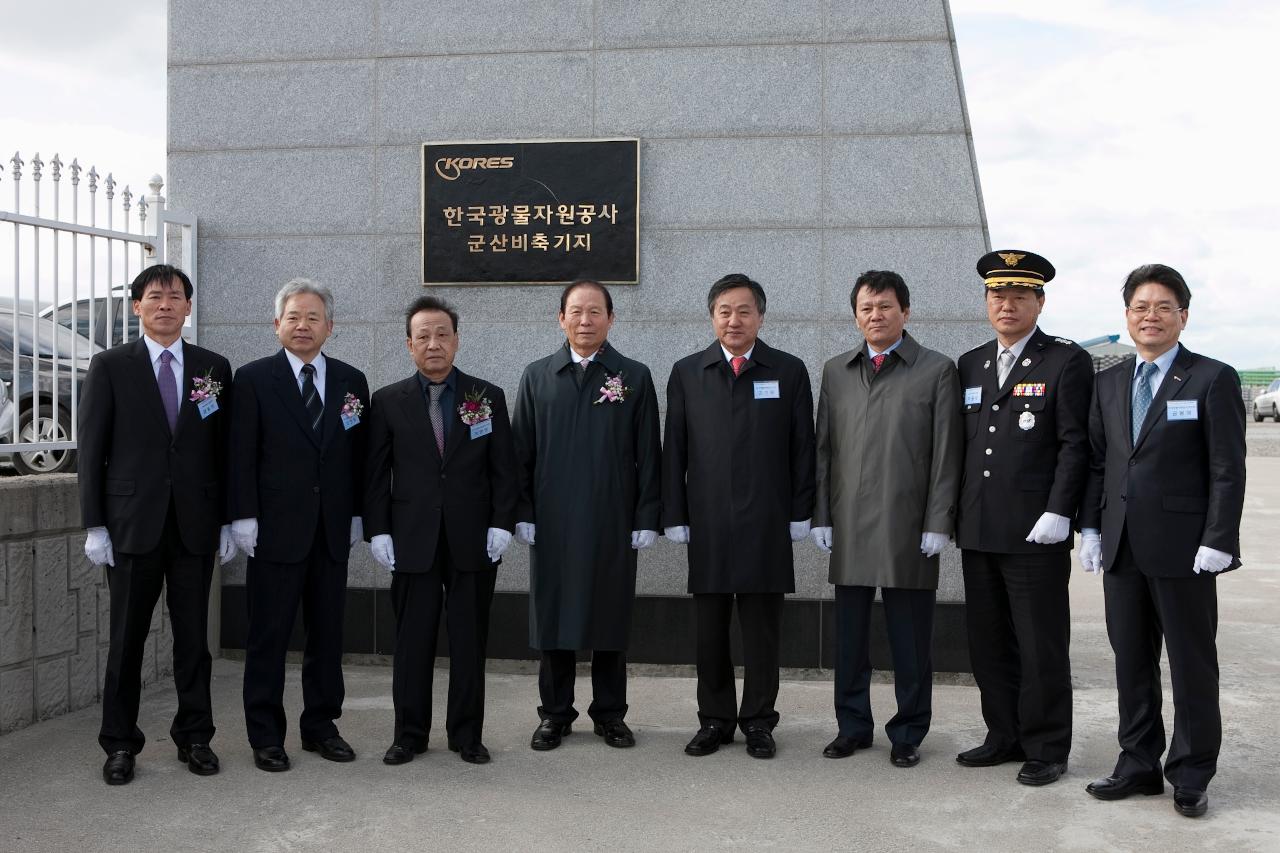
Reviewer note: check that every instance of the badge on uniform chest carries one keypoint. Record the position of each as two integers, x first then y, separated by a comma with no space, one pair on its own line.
1026,420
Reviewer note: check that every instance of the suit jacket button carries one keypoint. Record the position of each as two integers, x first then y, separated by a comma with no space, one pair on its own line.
995,407
988,451
1122,497
991,429
315,490
986,473
1133,462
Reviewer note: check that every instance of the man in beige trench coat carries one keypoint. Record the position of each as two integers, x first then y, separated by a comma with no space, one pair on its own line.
889,460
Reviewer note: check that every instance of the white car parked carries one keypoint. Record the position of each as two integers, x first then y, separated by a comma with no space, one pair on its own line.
1267,404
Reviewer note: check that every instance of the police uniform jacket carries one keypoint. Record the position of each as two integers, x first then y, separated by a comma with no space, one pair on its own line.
1026,443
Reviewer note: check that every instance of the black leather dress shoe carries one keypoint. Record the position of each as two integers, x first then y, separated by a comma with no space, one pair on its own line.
989,755
1036,772
843,747
400,754
119,768
474,753
1190,802
616,733
904,755
1119,787
760,743
548,735
199,759
708,739
272,759
331,748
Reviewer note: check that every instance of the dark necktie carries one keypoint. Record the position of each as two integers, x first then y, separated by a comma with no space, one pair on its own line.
168,389
1141,397
877,362
737,361
437,416
311,397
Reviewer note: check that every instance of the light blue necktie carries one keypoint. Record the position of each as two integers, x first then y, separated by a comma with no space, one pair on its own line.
1141,397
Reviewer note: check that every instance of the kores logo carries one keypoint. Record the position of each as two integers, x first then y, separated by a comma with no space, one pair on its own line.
451,168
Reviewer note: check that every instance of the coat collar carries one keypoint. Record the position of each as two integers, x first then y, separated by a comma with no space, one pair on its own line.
908,350
607,357
761,354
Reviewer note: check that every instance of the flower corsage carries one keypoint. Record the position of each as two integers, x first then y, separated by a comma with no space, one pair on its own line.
205,388
476,409
612,391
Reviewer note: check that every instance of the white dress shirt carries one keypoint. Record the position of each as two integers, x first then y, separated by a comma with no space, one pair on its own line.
175,348
1018,346
581,359
730,356
296,364
872,353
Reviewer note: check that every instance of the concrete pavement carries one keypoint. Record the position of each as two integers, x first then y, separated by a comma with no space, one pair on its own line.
653,797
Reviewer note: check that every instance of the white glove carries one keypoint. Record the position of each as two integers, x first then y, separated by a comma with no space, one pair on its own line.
244,532
679,535
931,544
357,529
525,531
226,545
496,543
799,530
97,547
1050,529
1091,550
1210,560
383,551
641,539
822,538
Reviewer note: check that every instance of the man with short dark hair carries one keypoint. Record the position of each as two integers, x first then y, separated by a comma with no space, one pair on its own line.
297,459
737,488
587,439
442,538
154,416
1161,514
1026,411
888,472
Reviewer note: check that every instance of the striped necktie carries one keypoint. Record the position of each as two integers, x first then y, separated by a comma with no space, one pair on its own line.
311,397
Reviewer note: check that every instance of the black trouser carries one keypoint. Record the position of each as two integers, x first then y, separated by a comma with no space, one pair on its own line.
557,673
1019,618
1140,609
760,616
908,616
417,599
274,590
135,583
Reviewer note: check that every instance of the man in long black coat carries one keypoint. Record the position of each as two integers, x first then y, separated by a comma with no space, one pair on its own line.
738,489
439,509
153,443
587,440
297,461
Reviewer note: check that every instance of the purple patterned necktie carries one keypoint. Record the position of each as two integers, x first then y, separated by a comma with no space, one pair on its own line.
168,389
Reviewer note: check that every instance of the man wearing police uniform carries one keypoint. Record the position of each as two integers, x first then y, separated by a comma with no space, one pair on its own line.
1026,411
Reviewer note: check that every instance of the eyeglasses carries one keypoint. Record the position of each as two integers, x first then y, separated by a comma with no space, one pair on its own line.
1164,310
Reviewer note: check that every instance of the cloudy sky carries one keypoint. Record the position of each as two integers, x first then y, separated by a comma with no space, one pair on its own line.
1108,134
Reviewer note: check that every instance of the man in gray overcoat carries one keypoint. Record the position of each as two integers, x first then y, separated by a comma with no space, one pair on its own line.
587,440
889,461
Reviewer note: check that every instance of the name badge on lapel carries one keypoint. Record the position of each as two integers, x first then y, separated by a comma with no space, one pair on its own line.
349,420
767,390
207,407
1183,410
973,396
481,429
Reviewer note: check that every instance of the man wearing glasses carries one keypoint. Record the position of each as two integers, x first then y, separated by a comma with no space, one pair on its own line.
1161,516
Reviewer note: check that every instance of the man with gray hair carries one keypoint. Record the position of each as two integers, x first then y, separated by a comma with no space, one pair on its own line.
296,458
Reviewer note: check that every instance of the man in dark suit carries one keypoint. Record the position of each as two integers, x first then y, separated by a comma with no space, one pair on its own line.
297,459
153,440
1161,515
442,539
1026,413
588,443
737,489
